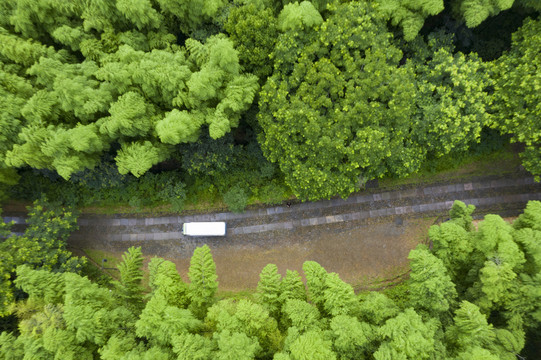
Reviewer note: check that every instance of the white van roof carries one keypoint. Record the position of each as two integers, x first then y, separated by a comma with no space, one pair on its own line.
204,229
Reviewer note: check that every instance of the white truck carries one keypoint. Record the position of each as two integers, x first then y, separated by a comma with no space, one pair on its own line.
204,228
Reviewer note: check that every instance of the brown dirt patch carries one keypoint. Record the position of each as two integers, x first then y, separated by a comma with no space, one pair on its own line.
358,254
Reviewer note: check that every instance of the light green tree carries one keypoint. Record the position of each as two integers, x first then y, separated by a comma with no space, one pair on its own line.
316,277
430,288
268,289
340,298
312,346
232,346
160,322
376,308
203,281
129,289
406,337
249,319
301,315
295,16
166,281
193,347
351,338
291,287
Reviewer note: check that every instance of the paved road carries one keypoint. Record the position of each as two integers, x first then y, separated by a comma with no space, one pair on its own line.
430,200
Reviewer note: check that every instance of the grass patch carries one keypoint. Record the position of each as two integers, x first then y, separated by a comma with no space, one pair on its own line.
449,168
109,266
249,294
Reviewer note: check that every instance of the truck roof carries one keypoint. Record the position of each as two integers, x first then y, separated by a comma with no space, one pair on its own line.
216,228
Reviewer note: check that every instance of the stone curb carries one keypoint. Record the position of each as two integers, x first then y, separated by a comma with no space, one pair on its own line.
176,221
358,199
291,225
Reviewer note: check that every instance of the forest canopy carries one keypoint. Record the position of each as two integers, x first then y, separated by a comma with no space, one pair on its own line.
313,97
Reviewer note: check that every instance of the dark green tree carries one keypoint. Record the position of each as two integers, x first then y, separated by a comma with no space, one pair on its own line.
516,98
329,107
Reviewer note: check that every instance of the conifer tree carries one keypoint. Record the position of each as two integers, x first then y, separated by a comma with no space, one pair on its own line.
470,329
40,285
301,315
193,347
160,322
166,281
139,156
339,297
232,346
247,318
407,337
376,308
129,288
269,290
203,281
312,346
351,338
410,15
316,277
91,313
430,288
291,287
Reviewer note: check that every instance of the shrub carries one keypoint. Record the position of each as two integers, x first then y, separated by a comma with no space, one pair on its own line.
236,199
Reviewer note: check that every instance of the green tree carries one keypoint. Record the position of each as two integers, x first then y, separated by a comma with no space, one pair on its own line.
327,110
247,318
340,299
430,288
351,338
291,287
316,277
191,14
203,281
410,15
312,346
268,289
42,246
160,322
515,96
254,32
453,96
129,288
406,337
166,281
236,199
